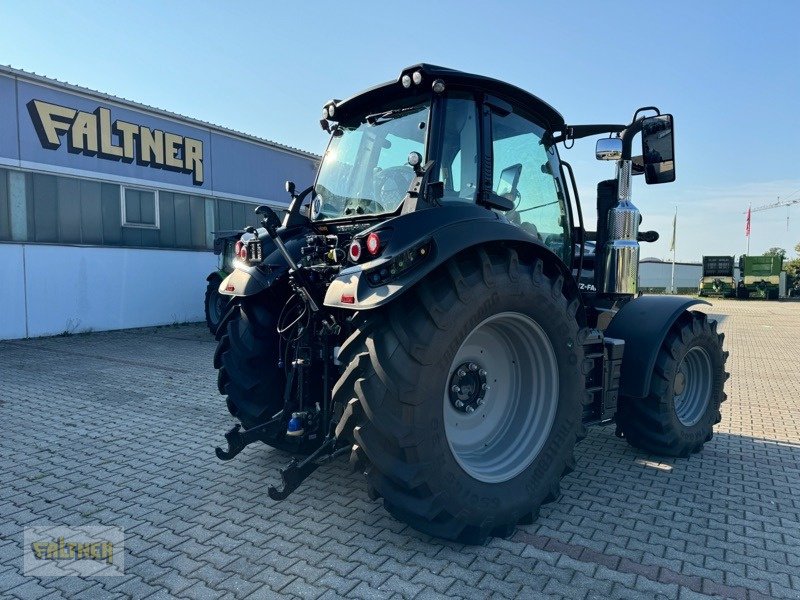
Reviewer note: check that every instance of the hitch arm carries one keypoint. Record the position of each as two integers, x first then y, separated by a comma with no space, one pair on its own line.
296,473
238,440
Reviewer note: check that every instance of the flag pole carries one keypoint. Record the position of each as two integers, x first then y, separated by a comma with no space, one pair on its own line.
749,208
674,225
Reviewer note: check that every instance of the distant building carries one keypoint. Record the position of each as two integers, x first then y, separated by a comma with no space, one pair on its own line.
107,207
655,275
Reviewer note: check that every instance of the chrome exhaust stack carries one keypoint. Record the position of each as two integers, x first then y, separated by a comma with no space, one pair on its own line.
621,250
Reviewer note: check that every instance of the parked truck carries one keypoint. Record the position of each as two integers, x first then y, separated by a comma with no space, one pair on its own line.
760,277
718,277
426,320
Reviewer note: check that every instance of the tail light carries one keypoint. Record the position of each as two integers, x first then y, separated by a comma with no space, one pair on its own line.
241,250
249,251
355,250
373,243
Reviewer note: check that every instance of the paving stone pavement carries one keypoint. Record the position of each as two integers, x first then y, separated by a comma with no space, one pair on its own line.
118,429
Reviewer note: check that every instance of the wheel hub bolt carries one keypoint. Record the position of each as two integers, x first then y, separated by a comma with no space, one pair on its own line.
473,367
480,401
485,387
470,410
482,372
462,373
456,389
459,404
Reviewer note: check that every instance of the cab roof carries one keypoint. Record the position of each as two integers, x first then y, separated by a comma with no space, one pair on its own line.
366,101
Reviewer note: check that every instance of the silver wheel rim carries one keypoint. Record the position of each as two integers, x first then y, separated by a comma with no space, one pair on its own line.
512,418
692,386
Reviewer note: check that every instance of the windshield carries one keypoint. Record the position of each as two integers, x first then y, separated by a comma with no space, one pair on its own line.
365,169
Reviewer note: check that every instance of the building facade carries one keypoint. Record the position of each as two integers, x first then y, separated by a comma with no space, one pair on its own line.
108,207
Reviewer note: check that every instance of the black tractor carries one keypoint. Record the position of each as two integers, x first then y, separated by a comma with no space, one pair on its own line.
429,308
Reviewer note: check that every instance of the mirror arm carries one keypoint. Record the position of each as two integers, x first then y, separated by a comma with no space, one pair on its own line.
293,216
627,137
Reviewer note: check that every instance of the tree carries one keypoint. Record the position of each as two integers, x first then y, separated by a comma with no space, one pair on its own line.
793,272
775,251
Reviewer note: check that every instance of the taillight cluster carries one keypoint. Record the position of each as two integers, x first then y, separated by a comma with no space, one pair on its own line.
372,243
250,251
400,264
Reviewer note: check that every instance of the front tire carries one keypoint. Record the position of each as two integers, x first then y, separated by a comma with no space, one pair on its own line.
450,473
686,390
215,304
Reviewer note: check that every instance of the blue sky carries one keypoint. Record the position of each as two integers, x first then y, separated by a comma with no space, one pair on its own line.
727,71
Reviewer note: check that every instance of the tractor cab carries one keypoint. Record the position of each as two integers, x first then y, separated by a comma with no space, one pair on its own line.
474,139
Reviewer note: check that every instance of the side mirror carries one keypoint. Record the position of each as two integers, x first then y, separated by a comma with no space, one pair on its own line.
637,165
290,187
509,180
658,149
608,149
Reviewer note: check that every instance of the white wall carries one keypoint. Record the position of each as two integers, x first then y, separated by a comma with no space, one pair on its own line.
12,292
659,274
54,289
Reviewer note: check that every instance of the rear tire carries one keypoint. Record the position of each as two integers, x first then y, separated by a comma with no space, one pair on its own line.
246,360
686,390
402,367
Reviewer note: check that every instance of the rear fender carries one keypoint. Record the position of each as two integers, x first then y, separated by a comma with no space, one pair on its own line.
249,280
644,323
450,230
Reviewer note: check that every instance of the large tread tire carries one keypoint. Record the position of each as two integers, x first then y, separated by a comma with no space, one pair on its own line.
246,360
652,423
397,369
212,304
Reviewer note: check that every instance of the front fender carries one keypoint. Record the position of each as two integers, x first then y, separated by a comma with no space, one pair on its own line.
643,323
450,230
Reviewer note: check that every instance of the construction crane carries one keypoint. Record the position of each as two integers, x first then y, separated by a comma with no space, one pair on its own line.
778,204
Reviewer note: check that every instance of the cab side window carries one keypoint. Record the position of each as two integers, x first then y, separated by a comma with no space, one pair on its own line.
459,168
523,173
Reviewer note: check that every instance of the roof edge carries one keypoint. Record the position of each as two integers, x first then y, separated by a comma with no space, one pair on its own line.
36,78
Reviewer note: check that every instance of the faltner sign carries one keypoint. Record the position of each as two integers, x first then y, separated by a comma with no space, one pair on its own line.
92,133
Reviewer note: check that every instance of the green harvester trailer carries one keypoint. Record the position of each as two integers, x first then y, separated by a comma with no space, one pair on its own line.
760,277
717,279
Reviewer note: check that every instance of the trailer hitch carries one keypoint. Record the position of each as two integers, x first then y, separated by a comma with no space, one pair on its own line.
238,440
296,472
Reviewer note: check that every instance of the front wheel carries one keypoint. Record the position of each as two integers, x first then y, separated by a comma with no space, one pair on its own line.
686,390
215,304
467,395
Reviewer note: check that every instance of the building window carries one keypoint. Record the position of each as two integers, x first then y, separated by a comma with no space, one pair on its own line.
139,207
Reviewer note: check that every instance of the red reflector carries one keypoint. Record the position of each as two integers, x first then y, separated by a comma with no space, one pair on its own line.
348,299
373,243
355,250
241,250
230,288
